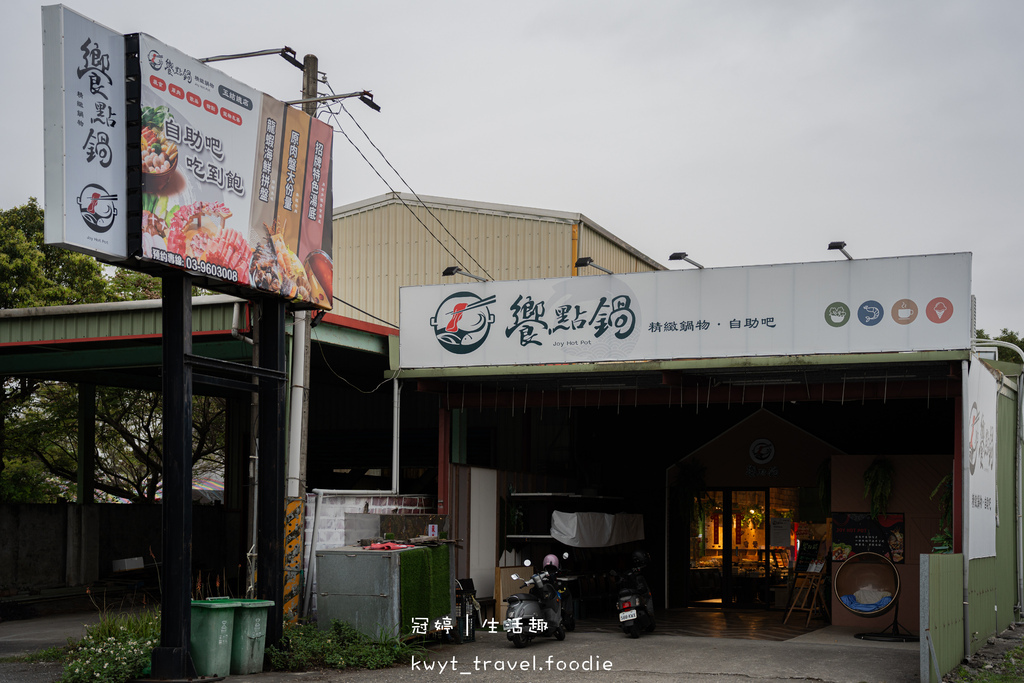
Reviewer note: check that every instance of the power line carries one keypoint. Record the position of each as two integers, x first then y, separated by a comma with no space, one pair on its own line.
351,142
346,381
409,187
365,313
418,198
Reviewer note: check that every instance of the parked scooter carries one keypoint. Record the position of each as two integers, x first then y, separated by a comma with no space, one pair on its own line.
635,604
538,612
553,566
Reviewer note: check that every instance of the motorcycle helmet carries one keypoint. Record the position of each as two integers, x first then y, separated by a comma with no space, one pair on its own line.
640,558
550,563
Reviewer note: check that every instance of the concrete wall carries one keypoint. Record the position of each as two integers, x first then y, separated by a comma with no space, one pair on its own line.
33,553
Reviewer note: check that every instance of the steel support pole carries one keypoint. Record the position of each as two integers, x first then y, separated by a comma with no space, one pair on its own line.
171,661
270,506
86,443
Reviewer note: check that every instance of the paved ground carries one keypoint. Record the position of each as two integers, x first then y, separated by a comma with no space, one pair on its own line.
828,654
613,658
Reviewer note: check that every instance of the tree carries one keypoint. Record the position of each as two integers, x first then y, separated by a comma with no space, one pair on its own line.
129,437
36,274
1009,336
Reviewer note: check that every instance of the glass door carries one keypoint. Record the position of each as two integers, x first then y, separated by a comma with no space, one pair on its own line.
708,532
742,545
749,556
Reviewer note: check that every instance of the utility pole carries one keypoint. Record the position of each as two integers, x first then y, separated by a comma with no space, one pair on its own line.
298,414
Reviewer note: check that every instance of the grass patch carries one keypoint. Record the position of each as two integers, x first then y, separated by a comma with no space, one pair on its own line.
116,648
305,647
1009,670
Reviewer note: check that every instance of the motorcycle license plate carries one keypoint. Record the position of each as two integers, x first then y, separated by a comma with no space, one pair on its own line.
627,615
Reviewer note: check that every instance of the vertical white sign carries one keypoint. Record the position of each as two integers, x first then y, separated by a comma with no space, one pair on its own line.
980,468
85,147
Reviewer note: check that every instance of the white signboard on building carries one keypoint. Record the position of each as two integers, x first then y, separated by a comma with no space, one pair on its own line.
914,303
84,139
980,465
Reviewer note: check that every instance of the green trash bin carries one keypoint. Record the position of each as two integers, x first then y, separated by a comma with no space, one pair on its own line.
249,635
213,623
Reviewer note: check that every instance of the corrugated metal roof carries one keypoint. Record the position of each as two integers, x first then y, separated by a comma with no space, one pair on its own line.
108,320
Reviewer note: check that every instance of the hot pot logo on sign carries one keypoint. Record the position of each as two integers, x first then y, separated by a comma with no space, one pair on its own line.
762,451
463,321
981,443
97,207
604,324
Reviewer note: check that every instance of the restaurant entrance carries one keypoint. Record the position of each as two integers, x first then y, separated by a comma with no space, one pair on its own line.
740,546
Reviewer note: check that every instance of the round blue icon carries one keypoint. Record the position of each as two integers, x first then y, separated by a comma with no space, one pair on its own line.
870,313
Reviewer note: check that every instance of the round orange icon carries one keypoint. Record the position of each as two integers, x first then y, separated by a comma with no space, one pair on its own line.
904,311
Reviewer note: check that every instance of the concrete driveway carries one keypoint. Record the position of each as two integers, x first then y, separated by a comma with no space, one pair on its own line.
829,654
825,655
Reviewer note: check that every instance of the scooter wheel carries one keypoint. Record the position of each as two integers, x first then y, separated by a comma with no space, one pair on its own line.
634,631
650,626
570,624
560,632
519,640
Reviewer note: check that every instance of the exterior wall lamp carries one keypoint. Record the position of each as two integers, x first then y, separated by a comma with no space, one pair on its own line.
455,270
841,246
584,261
682,256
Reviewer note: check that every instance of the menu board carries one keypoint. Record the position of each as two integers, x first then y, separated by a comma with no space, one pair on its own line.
858,532
808,555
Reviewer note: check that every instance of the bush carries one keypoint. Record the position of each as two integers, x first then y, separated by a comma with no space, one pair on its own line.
306,647
115,649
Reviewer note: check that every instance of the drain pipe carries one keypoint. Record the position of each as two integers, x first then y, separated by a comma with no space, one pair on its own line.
1019,494
298,390
311,560
236,317
965,501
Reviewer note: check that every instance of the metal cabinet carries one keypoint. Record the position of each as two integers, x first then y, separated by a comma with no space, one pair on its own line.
360,587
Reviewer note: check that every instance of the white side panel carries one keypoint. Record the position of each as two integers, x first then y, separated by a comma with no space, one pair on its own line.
483,526
85,148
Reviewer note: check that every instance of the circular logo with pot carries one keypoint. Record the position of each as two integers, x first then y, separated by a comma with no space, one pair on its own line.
463,321
97,208
762,451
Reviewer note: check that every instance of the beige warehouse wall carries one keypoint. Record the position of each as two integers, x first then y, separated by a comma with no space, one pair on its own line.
383,244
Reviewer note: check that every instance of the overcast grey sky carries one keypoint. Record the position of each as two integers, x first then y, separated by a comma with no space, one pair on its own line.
742,132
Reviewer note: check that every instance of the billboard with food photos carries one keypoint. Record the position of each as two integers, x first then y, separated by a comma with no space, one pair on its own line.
84,143
235,184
